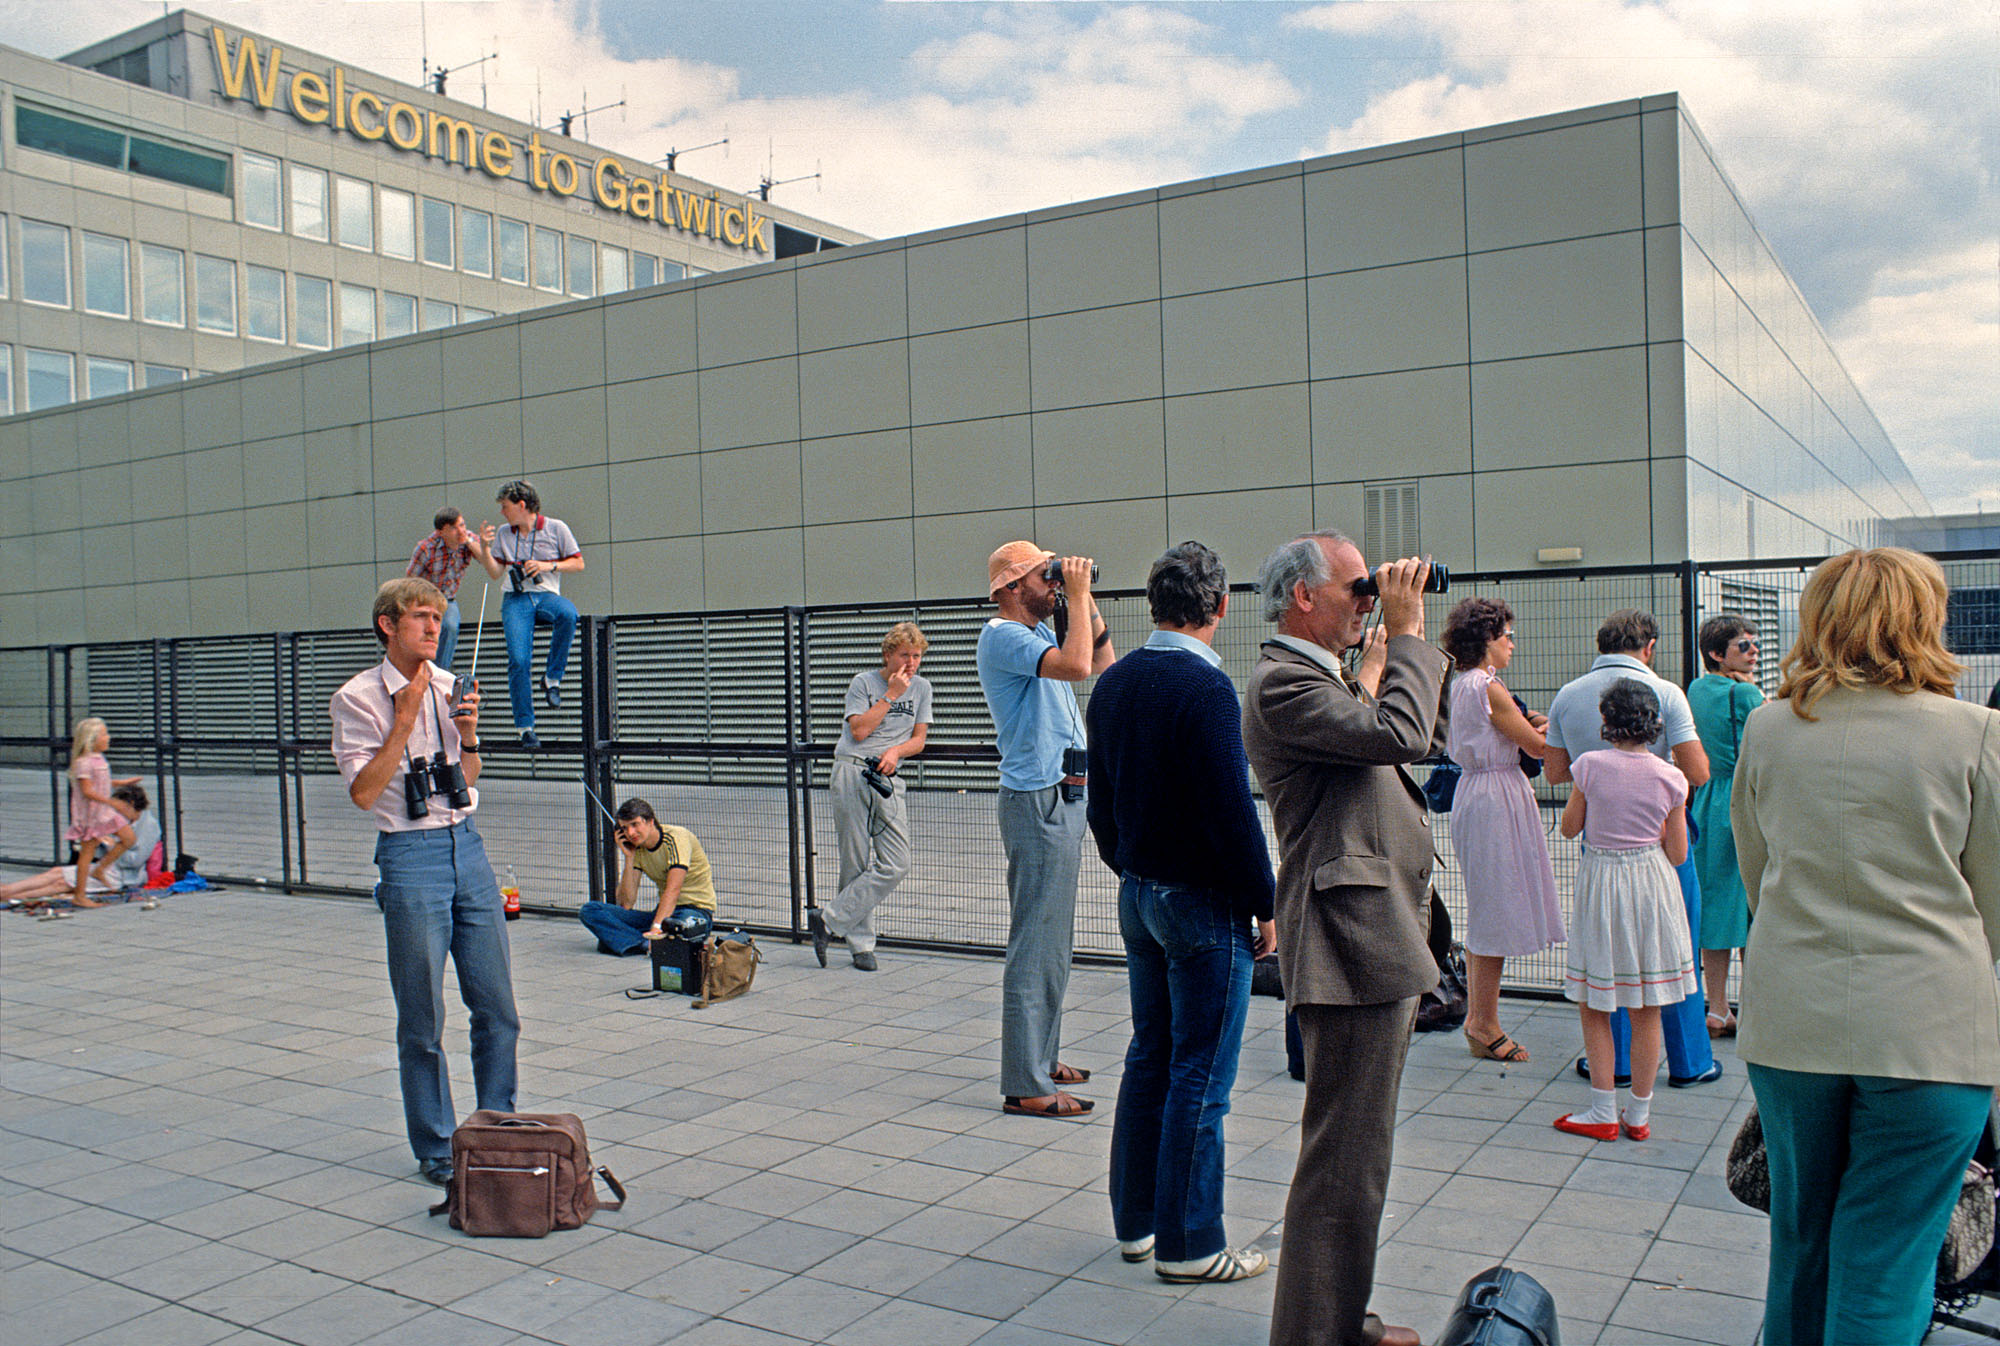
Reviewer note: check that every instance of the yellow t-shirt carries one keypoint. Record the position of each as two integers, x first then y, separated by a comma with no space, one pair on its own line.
678,846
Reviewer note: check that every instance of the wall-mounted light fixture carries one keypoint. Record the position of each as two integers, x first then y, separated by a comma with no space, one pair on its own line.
1557,555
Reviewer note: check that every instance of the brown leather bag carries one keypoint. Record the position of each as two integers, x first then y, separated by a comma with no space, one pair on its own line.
521,1174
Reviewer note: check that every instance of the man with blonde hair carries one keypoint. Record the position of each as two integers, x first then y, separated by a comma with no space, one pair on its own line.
888,719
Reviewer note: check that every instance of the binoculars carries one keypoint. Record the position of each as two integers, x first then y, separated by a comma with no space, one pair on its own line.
439,776
1438,582
871,771
517,579
1052,570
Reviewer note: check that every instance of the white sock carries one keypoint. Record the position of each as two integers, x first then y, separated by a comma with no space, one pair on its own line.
1639,1110
1603,1108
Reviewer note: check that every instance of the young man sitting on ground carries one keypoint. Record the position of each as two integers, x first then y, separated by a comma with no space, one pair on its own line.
673,859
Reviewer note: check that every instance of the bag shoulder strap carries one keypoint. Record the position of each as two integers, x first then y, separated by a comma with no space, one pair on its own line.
616,1186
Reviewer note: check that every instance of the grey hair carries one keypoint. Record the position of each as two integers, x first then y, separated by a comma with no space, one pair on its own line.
1301,559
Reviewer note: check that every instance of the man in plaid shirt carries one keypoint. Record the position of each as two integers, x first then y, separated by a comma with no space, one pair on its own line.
441,558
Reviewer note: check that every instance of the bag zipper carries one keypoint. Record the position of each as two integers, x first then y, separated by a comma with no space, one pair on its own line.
534,1172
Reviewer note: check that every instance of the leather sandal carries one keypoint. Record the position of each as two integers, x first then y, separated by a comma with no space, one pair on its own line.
1721,1025
1067,1074
1059,1105
1502,1048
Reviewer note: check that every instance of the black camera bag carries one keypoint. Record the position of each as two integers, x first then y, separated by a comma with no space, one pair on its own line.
1502,1307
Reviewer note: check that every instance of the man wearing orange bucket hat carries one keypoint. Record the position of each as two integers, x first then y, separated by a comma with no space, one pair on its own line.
1025,670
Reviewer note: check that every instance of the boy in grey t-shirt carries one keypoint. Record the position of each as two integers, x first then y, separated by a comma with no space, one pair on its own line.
888,715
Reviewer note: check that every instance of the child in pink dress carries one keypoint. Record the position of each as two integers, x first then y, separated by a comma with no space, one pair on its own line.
94,816
1629,944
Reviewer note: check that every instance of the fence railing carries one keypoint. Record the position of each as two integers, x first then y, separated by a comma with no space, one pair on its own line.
726,723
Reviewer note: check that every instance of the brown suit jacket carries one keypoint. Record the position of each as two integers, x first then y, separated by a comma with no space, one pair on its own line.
1355,846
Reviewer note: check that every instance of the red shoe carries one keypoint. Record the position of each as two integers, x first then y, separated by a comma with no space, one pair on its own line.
1593,1130
1641,1132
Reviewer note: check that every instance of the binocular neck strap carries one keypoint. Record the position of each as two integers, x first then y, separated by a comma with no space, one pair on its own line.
437,721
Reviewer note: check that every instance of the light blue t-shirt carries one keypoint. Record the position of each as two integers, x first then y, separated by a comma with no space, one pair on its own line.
1034,718
1576,725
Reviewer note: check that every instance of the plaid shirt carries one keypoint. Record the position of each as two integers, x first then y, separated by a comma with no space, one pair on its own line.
440,563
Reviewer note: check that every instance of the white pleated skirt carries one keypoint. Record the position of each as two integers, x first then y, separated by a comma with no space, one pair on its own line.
1629,945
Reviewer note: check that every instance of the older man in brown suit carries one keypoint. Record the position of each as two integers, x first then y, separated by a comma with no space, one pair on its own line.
1353,905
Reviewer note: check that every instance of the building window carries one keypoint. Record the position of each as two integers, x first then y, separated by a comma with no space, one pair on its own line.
399,224
214,294
111,147
45,264
582,267
3,260
513,251
670,271
162,285
357,314
309,203
399,314
158,376
106,378
548,260
437,233
312,312
439,314
6,380
262,198
471,314
106,276
644,270
263,303
475,241
51,378
615,275
356,202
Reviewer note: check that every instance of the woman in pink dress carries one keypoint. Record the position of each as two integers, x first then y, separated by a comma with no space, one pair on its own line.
1496,826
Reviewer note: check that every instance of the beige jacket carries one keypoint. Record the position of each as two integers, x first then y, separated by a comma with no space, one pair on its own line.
1355,845
1870,848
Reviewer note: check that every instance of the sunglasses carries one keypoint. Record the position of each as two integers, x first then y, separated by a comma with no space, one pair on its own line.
1746,645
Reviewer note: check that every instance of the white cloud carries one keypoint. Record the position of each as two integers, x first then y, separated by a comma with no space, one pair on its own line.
1862,139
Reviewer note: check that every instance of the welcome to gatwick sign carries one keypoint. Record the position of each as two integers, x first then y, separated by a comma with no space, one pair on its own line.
250,74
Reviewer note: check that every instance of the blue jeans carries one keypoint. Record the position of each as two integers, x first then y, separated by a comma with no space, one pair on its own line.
519,615
1187,959
438,897
448,634
1685,1026
621,930
1864,1174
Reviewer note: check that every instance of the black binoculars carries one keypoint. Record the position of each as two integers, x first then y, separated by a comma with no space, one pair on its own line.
439,776
1052,570
518,579
1439,582
871,771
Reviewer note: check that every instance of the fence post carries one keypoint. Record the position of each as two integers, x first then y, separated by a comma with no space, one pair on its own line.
1690,628
173,738
58,658
599,727
795,621
298,781
278,739
160,749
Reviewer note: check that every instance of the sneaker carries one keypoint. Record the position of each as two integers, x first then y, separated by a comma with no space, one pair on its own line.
1138,1250
530,740
1227,1265
1583,1071
1709,1076
821,937
552,693
864,961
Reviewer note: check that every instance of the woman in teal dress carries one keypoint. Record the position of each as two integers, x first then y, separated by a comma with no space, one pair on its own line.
1721,699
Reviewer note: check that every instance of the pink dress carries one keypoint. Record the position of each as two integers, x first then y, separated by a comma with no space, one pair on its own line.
1496,832
89,820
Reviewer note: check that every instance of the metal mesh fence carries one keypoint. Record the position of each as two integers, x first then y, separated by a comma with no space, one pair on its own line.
726,723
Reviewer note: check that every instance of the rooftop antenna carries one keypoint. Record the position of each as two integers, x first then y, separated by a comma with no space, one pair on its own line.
562,123
672,155
767,182
438,75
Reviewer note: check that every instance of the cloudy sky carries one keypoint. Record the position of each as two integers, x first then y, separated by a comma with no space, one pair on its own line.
1865,137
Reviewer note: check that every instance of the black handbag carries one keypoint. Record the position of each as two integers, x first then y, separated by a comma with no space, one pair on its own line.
1443,1006
1502,1307
1531,767
1441,786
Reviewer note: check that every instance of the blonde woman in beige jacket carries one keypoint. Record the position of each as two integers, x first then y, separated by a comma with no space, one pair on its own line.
1867,822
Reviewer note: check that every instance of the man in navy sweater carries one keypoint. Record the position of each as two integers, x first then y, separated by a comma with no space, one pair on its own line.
1170,808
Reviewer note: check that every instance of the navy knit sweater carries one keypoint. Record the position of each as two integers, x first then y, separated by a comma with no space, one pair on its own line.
1169,785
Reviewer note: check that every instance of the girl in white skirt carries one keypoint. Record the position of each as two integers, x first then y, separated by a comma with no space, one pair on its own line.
1629,946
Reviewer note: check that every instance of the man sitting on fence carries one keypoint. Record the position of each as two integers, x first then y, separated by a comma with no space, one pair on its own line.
128,872
673,859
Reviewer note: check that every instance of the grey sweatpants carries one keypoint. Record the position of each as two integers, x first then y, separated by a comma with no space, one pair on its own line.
874,836
1043,837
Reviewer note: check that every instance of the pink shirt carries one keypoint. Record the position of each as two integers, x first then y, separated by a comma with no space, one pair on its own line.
1628,796
363,714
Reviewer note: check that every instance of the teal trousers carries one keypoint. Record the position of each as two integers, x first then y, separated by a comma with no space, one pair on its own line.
1864,1173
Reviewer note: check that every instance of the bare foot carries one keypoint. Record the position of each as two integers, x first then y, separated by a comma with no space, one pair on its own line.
79,900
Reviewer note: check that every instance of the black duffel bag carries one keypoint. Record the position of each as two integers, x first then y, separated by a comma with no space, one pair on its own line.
1502,1307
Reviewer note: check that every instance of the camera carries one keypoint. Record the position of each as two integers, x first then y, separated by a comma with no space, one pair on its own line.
439,776
871,771
517,578
1075,762
1052,571
1438,582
